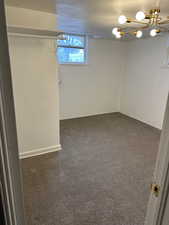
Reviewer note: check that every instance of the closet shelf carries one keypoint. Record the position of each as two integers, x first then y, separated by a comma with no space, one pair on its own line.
33,33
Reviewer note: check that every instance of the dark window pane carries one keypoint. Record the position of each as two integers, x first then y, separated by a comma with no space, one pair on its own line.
71,55
72,40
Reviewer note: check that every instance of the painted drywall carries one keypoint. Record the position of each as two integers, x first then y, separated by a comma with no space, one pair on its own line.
146,80
129,77
93,88
35,83
30,18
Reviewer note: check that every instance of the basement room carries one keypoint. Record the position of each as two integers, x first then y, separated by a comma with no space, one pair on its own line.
90,84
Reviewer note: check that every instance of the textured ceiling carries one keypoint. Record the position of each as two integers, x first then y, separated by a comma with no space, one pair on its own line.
94,17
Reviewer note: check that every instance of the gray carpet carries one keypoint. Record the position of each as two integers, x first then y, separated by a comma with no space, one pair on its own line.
101,177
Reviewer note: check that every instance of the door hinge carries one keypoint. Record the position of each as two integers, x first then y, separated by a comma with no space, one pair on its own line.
155,188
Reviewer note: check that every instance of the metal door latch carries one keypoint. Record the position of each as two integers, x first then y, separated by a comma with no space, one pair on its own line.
155,188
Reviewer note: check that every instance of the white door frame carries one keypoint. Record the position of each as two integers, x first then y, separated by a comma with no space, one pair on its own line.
10,179
157,205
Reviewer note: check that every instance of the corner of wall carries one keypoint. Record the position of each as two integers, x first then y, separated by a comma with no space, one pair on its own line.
124,65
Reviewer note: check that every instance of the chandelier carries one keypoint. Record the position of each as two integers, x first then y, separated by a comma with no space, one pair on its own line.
151,21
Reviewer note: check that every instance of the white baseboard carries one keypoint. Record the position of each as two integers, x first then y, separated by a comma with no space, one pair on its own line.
67,117
136,117
40,151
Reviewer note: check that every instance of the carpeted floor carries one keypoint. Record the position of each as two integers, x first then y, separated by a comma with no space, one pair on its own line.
101,177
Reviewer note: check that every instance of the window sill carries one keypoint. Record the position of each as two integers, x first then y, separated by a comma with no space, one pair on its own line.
73,64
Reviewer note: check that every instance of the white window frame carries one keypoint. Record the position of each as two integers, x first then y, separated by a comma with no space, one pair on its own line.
76,47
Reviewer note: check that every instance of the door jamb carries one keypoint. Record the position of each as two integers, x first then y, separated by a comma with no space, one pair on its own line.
10,177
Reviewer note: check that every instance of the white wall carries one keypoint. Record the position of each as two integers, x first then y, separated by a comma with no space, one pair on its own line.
120,76
146,83
93,88
35,83
30,18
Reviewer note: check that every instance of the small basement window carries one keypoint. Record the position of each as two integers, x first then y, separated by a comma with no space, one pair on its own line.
72,50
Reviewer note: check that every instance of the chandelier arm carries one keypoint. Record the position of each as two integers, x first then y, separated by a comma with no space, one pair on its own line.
164,22
136,29
130,20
